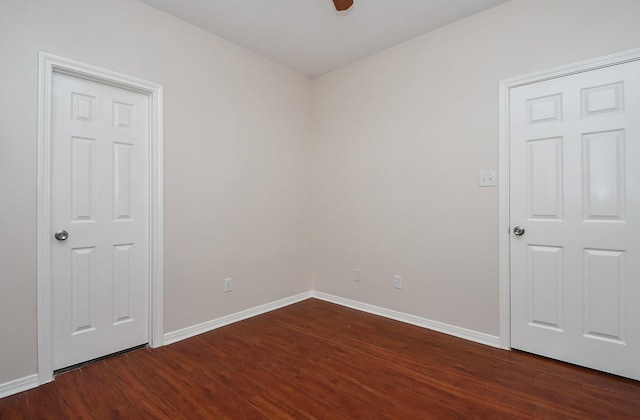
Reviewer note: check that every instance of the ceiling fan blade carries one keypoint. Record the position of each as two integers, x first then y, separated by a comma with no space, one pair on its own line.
342,5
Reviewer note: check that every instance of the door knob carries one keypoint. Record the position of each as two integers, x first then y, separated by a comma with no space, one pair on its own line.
62,235
518,231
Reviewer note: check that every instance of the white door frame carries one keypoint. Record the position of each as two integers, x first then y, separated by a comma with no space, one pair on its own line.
504,227
48,64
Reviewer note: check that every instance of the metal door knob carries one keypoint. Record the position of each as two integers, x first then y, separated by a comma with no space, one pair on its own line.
518,231
62,235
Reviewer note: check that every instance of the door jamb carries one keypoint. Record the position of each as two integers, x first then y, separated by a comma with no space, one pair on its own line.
504,228
47,65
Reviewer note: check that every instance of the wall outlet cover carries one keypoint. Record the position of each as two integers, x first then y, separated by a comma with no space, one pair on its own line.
488,179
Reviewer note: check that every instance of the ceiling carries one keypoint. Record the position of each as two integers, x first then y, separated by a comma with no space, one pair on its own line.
309,36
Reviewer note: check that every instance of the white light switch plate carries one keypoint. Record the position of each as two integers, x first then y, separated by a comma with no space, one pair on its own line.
487,178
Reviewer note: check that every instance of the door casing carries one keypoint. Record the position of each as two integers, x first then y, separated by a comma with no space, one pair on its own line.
504,225
48,64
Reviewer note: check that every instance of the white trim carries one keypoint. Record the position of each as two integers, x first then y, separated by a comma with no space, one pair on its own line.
478,337
184,333
48,64
504,229
504,233
19,385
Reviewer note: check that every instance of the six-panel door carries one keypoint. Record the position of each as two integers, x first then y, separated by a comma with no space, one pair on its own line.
100,196
575,188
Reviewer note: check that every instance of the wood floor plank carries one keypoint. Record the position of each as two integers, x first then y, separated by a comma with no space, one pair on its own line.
285,393
14,407
42,402
76,395
114,400
150,403
314,360
209,391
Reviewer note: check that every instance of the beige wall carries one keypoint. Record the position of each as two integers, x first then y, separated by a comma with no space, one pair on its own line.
400,138
236,144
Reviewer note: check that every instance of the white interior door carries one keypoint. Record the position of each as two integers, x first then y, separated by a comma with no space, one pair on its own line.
100,197
575,190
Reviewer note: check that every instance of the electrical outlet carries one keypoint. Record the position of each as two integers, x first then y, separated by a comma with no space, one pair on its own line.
227,285
356,274
487,178
397,282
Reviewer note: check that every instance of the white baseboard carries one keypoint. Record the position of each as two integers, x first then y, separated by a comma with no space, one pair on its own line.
19,385
475,336
175,336
478,337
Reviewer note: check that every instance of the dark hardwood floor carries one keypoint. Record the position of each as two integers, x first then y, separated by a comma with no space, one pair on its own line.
319,360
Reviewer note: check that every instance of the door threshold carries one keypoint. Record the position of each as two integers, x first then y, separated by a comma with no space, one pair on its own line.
97,359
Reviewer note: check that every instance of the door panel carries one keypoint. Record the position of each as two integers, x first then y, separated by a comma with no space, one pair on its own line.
545,178
575,189
604,176
604,286
545,280
100,196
